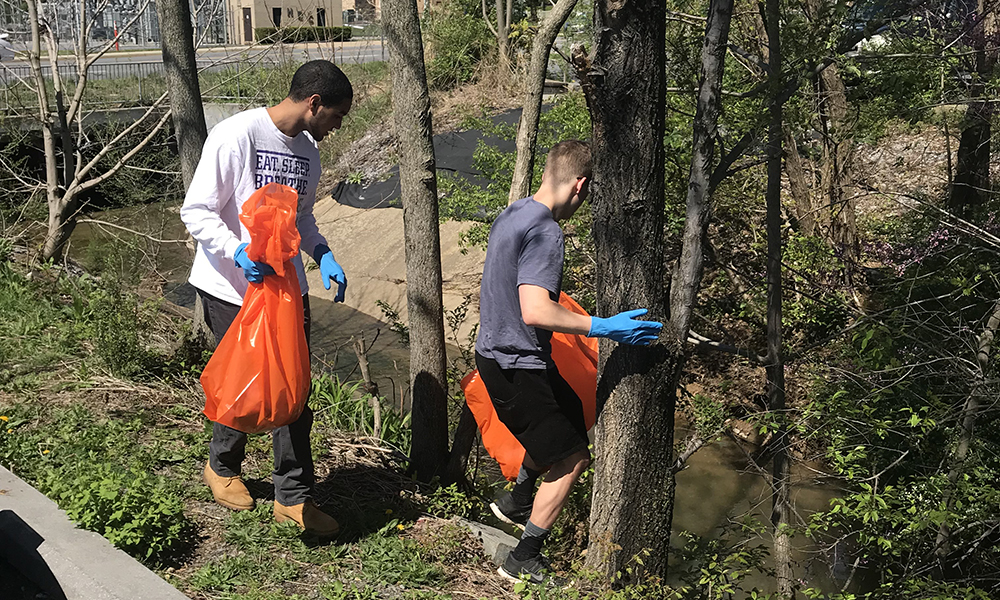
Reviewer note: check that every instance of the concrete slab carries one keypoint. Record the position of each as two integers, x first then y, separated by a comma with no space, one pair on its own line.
496,543
40,542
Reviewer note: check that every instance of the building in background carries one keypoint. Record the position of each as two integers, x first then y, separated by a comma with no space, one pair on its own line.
248,15
369,11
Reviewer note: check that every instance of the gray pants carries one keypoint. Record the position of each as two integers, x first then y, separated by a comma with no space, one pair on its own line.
293,464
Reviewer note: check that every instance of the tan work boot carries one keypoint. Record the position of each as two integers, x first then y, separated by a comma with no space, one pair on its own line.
228,491
309,517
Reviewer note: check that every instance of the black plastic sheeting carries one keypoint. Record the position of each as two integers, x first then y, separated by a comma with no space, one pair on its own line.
453,153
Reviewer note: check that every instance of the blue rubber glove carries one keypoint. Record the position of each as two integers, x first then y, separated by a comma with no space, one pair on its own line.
330,270
253,271
624,328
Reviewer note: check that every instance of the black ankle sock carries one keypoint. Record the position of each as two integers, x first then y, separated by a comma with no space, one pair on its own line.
524,488
531,542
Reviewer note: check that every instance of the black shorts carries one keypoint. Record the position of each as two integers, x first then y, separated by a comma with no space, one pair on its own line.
539,408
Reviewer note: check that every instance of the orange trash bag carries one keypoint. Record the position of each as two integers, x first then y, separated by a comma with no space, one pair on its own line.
259,377
575,357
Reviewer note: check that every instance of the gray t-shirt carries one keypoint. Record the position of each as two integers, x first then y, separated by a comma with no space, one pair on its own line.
525,247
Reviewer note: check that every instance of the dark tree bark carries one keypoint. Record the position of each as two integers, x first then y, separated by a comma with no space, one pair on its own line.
177,41
971,187
823,205
527,129
187,112
798,185
781,508
633,491
838,154
461,447
418,184
633,497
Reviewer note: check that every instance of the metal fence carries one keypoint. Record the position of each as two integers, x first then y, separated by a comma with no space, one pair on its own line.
117,79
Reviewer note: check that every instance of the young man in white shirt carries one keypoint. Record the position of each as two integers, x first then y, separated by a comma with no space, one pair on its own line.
242,154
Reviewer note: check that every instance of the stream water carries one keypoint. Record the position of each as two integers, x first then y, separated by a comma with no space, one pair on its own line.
719,485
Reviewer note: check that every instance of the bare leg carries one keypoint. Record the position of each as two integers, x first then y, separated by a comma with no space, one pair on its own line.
555,489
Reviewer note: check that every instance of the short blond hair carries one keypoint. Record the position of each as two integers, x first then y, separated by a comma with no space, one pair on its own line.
567,161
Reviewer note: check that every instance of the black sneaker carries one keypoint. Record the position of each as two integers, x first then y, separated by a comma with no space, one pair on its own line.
507,510
533,570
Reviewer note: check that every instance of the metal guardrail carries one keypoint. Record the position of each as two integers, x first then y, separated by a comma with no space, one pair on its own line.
14,74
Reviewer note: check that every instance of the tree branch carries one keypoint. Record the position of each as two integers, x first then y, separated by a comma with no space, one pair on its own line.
700,341
486,19
100,223
121,162
108,147
694,443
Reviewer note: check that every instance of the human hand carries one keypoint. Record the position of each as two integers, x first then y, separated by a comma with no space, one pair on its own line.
624,328
330,270
253,271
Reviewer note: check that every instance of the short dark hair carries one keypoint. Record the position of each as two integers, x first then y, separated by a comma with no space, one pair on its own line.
321,77
568,160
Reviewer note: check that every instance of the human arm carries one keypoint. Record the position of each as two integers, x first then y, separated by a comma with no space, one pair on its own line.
212,187
312,240
305,223
539,310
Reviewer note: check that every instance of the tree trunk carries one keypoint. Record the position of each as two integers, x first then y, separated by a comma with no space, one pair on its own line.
805,212
177,40
527,129
61,205
972,176
838,152
633,490
187,112
418,185
686,280
781,508
503,32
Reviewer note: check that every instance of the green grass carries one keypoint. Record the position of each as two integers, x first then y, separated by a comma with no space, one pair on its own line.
126,463
42,323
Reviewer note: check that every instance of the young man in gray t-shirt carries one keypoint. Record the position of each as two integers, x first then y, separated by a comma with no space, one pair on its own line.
519,309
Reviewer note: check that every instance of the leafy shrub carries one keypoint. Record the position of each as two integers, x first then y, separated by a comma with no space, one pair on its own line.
270,35
39,330
450,501
91,467
458,41
119,322
137,511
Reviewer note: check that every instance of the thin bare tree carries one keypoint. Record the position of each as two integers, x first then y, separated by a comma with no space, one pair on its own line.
411,110
781,511
527,129
67,173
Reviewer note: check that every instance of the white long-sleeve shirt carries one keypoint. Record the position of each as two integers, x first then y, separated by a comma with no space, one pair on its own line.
243,153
